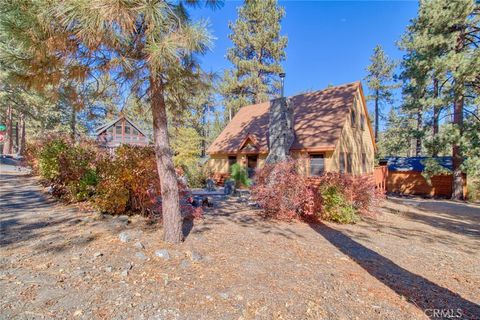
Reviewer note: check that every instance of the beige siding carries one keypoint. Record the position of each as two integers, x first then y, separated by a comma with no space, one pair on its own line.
218,164
355,141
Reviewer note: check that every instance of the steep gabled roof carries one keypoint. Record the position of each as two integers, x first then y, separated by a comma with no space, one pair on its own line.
318,116
107,125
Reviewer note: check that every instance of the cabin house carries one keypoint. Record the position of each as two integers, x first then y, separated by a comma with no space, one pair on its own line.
120,130
328,130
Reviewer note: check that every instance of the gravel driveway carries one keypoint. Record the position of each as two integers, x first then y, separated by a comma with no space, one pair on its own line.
417,259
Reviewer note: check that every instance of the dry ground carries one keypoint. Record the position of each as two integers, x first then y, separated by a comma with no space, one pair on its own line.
57,261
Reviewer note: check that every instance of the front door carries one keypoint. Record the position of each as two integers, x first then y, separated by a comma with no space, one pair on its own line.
251,165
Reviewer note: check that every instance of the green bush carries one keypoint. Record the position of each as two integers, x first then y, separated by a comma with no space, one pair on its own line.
68,169
48,159
196,176
336,207
239,174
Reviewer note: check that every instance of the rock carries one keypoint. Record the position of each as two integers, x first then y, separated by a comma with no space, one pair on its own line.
123,218
139,245
141,256
209,298
78,313
185,264
129,266
124,236
97,254
194,256
124,273
162,253
109,269
224,295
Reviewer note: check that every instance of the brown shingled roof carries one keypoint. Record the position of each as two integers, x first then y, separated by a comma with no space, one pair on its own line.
318,121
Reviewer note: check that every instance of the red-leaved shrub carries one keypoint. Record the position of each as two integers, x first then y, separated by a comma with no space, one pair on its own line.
282,193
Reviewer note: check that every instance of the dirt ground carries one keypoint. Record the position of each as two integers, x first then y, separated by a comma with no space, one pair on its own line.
415,259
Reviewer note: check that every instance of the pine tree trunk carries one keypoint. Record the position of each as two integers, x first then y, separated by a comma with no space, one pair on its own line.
436,116
8,141
418,138
73,124
21,145
376,117
457,188
457,183
172,218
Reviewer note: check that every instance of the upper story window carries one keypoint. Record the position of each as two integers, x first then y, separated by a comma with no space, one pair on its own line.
317,164
118,129
362,122
127,129
353,117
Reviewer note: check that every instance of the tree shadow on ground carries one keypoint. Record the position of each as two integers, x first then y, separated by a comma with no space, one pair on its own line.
418,290
460,218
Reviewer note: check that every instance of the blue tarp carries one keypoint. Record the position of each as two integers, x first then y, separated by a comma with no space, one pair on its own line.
415,163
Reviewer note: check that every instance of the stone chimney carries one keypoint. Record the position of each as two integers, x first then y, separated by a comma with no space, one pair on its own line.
280,129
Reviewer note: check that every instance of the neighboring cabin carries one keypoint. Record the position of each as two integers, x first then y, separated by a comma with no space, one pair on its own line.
331,132
120,131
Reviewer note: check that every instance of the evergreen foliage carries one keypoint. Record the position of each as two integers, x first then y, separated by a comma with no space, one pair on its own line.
256,55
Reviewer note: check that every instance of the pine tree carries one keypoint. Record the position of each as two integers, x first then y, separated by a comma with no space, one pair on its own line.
447,36
256,55
395,140
379,82
149,47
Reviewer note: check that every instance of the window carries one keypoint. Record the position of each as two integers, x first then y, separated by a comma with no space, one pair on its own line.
135,132
110,130
349,163
118,129
127,129
353,117
342,162
232,160
317,164
362,122
364,163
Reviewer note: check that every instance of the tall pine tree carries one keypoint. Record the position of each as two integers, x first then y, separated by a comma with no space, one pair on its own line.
380,83
256,55
445,38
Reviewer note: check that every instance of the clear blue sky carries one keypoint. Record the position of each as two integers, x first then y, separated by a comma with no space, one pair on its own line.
329,42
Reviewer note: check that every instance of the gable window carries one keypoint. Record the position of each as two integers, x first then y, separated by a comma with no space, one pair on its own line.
353,117
231,161
362,122
317,164
342,162
118,129
127,129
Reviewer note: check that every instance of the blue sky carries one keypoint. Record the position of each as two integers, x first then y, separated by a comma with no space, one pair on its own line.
329,42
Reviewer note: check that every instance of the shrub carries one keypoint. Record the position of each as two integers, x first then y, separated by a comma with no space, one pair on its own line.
282,192
129,181
336,207
68,169
239,174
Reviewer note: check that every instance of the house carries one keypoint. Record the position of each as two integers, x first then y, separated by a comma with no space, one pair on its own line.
405,177
120,130
328,130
